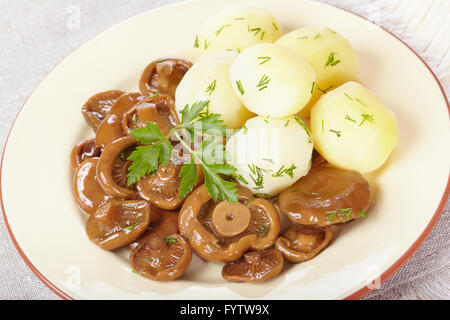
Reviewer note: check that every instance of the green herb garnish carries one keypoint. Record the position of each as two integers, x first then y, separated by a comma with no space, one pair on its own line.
131,227
325,90
331,60
288,171
338,133
170,240
240,87
221,28
347,117
366,117
263,83
211,87
196,43
275,26
300,122
264,59
313,85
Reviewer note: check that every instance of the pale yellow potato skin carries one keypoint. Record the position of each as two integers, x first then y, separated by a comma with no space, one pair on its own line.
270,144
212,71
343,138
289,80
315,45
236,29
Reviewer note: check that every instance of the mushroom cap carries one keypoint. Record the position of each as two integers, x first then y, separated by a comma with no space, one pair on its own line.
162,187
158,109
110,128
207,237
302,243
254,266
326,196
163,75
83,151
117,223
162,223
162,258
112,169
88,193
98,106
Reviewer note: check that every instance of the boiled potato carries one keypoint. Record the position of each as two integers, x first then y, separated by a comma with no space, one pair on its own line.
272,80
236,29
208,79
271,154
352,129
329,53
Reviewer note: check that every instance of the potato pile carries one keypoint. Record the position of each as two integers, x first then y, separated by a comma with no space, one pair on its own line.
266,84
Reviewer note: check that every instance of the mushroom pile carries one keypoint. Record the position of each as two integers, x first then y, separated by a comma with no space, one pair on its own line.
163,231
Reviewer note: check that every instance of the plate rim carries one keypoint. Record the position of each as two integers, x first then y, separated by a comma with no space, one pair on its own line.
354,296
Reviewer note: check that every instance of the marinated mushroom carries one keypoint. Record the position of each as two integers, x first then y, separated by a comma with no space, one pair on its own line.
162,223
98,106
162,258
110,128
83,151
302,243
158,109
161,188
117,223
88,193
224,231
113,167
254,266
326,196
163,76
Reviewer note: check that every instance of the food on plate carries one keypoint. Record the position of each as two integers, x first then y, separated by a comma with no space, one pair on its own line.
326,196
301,243
352,129
264,164
210,156
209,79
161,258
272,80
118,223
254,266
223,231
331,56
163,76
236,29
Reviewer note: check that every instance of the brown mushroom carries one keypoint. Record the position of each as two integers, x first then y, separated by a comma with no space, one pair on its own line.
302,243
224,231
254,266
117,223
88,194
161,258
98,106
112,168
83,151
162,223
110,128
326,196
158,109
161,188
163,76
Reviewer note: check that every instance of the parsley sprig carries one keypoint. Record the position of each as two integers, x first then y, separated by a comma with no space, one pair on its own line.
157,149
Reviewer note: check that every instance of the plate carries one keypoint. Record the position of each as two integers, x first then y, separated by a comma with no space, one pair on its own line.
48,228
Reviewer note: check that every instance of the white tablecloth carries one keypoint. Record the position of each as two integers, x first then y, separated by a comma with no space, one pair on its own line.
36,35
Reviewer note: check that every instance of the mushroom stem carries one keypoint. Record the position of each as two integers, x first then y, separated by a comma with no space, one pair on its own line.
230,219
156,243
252,257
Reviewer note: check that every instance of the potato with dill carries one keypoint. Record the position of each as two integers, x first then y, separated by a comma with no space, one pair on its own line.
330,55
236,29
272,80
208,79
352,129
270,154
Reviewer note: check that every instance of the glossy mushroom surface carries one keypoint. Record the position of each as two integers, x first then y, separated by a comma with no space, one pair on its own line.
159,109
326,196
254,266
112,169
162,258
110,128
83,151
162,223
163,76
98,106
302,243
224,231
88,193
117,223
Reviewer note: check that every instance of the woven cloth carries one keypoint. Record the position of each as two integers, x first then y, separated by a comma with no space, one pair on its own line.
36,35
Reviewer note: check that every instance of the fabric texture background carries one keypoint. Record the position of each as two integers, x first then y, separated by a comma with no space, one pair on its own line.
36,35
